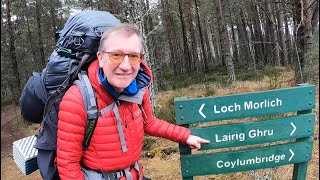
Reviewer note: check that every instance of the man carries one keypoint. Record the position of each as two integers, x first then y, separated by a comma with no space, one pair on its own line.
120,78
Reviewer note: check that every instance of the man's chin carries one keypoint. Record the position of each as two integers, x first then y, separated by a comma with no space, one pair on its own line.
119,85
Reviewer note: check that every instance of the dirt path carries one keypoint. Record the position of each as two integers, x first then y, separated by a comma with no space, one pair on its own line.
9,133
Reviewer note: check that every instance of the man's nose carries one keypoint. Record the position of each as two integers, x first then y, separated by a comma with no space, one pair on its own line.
125,64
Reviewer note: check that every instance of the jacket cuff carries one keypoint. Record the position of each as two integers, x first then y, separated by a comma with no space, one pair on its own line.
186,135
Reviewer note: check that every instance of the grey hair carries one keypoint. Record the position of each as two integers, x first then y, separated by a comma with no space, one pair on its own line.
125,28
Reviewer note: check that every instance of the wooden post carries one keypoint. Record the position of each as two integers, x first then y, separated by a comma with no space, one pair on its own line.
300,169
184,150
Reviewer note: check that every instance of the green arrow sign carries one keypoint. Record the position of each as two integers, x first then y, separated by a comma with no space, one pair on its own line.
256,132
244,105
244,160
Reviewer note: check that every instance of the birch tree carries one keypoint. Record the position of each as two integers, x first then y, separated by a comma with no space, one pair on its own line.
224,40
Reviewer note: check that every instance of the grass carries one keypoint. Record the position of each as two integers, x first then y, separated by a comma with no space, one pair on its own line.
214,75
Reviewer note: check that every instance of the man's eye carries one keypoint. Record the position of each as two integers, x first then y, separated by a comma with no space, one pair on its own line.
116,55
135,56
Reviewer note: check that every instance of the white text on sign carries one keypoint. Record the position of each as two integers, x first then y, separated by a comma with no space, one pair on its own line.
242,136
252,161
248,105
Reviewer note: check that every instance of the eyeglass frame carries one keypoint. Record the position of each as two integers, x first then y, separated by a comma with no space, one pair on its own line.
124,55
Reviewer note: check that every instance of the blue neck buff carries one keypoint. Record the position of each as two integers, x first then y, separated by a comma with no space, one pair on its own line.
131,90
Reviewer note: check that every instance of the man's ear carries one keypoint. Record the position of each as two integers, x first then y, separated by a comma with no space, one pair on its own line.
100,59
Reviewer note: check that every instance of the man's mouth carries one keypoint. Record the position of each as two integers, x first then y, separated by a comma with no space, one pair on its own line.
123,75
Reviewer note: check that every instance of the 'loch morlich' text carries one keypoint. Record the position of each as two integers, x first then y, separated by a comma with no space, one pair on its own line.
248,105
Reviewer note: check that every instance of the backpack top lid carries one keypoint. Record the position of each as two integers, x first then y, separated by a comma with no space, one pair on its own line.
82,31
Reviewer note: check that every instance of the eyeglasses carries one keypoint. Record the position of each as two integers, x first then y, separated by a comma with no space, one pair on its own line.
118,57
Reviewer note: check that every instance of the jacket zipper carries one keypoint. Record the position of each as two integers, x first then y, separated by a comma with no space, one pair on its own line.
144,115
131,109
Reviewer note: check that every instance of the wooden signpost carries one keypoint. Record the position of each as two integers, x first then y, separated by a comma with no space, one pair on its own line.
298,128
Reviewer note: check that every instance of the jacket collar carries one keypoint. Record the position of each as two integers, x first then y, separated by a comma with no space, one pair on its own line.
143,80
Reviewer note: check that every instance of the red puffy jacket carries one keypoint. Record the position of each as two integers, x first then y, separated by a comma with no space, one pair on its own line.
104,152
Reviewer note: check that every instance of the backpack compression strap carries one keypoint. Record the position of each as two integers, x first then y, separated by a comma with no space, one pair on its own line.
90,104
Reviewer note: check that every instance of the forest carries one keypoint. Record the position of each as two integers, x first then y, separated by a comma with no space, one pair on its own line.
181,37
195,48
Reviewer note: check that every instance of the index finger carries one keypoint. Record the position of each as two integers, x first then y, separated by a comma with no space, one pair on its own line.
204,141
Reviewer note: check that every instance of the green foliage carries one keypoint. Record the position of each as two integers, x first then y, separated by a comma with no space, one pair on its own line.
166,111
250,76
214,74
210,89
147,143
274,75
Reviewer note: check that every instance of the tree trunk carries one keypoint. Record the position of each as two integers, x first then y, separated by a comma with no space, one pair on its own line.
170,36
218,45
30,38
257,35
282,35
275,40
207,41
243,43
186,52
224,40
14,83
155,56
205,61
304,16
53,17
233,40
211,45
315,16
251,62
192,39
40,38
145,27
268,34
288,39
234,45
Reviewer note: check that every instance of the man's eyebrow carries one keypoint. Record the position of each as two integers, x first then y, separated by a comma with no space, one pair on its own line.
121,51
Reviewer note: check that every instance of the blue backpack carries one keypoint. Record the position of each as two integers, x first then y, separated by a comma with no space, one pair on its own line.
76,47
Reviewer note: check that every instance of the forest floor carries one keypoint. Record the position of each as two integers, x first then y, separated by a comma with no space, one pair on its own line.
12,130
163,166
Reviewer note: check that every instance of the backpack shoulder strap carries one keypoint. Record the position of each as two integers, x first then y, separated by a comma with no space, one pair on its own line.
90,103
93,113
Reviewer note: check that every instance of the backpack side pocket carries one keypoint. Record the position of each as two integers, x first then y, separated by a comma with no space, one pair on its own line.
33,99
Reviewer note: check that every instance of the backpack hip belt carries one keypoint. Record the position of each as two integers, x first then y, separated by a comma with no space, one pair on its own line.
117,175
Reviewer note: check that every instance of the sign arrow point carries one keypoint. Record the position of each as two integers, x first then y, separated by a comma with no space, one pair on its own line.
294,128
200,111
292,154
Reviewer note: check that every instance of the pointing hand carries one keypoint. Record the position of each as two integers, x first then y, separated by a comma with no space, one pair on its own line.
194,142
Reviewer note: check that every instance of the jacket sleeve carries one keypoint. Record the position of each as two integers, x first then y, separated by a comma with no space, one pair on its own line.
158,127
71,125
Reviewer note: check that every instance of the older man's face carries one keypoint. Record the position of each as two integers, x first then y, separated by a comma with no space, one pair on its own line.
122,72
